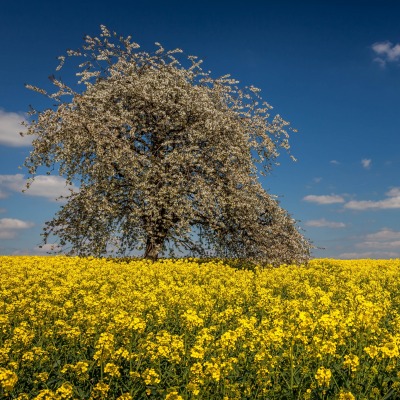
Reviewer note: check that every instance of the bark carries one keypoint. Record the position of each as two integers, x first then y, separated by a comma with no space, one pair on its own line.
153,247
156,237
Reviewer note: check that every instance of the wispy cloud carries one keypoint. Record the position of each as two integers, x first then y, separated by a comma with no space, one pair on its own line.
369,254
394,245
10,226
366,163
10,126
3,194
324,199
392,201
335,162
384,239
384,243
323,223
50,187
384,234
48,247
387,52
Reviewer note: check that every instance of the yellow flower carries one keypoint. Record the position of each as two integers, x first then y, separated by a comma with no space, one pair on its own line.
228,339
125,396
327,347
8,379
197,352
192,320
351,361
196,369
46,394
193,387
41,377
13,364
65,391
150,377
307,394
28,356
22,396
173,396
390,350
375,391
117,308
134,374
138,325
4,354
23,335
346,396
112,370
323,376
104,347
212,370
372,351
121,353
81,368
100,390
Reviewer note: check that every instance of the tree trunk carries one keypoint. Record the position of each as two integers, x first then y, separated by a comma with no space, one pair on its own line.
152,250
155,241
154,245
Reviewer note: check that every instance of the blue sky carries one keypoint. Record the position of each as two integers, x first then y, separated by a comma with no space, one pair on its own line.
332,68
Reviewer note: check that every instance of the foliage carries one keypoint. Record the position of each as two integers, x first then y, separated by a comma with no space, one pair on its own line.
86,328
165,156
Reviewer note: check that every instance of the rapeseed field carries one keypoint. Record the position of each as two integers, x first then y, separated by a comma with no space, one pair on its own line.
87,328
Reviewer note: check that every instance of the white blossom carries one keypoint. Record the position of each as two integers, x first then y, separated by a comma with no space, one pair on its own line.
162,151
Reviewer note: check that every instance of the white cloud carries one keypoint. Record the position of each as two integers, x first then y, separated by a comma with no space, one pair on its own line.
10,226
46,186
384,234
380,61
27,251
11,182
10,126
323,223
7,234
385,239
392,201
380,245
12,223
48,247
384,243
394,192
50,187
3,194
335,162
366,163
324,199
387,52
370,254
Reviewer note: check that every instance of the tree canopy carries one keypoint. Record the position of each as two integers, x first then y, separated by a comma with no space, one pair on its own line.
165,155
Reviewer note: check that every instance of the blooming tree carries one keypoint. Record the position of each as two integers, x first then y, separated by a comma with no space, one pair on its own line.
165,155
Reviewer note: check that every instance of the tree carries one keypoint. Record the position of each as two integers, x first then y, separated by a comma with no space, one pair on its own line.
164,154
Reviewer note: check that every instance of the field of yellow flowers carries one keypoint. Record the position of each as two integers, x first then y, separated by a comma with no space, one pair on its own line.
87,328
